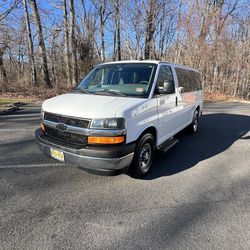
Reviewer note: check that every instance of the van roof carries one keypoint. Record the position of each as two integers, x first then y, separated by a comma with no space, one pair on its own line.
149,61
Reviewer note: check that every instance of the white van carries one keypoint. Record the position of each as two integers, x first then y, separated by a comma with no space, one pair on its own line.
120,114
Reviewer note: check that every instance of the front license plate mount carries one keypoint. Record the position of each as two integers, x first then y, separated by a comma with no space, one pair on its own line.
57,154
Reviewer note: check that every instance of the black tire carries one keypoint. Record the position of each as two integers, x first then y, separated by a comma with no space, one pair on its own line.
143,156
193,127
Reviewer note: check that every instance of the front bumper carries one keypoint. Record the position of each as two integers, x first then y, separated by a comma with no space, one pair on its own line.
99,159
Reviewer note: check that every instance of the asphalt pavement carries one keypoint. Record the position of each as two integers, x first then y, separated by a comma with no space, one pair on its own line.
197,196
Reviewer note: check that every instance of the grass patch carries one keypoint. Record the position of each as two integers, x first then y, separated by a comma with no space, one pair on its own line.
10,104
9,101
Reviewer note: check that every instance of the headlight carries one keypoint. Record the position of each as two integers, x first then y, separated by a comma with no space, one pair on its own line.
42,114
110,123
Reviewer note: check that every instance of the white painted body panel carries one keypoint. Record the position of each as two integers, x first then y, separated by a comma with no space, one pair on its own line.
168,115
139,117
88,106
159,112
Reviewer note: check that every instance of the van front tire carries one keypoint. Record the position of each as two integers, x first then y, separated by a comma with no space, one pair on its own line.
143,156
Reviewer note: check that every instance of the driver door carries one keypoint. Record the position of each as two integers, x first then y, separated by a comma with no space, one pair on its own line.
167,105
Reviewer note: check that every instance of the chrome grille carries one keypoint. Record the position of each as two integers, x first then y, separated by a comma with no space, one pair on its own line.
80,123
66,136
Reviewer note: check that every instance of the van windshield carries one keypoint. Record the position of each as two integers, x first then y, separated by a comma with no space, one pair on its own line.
126,79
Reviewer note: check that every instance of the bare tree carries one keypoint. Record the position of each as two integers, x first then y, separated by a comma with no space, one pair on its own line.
42,49
30,43
102,22
13,6
3,75
88,44
210,35
117,32
150,28
206,22
102,9
73,42
3,41
134,41
165,28
66,43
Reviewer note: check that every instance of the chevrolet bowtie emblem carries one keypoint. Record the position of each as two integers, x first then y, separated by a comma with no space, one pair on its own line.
61,126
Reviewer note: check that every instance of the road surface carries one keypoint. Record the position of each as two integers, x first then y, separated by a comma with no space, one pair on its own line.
197,196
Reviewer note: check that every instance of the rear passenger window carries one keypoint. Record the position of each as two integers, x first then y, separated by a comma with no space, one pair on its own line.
189,80
198,80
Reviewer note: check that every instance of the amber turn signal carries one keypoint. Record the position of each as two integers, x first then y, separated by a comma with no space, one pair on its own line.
42,127
106,140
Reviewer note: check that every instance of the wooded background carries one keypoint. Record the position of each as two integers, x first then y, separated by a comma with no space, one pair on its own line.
46,43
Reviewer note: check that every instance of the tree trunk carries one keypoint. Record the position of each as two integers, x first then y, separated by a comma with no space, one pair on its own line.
114,45
19,72
54,58
66,44
73,42
115,31
118,29
151,15
179,23
205,24
42,49
30,43
102,22
89,24
2,69
129,50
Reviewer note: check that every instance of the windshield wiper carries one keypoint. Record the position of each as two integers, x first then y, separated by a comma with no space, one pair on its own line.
82,90
109,91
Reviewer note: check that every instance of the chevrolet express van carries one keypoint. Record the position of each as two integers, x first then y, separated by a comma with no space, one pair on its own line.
120,114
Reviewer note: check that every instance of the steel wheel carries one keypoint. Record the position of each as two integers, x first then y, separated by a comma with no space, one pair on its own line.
195,122
145,157
193,127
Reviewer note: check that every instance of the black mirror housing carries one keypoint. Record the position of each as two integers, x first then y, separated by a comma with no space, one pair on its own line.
168,87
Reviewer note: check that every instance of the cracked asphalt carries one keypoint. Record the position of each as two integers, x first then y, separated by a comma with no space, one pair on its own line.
197,196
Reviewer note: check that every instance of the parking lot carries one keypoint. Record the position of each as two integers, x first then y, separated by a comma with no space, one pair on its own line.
197,196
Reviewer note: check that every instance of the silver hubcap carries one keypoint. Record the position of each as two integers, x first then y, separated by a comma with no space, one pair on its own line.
145,157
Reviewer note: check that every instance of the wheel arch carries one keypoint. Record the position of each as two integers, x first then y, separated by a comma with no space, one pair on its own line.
150,129
198,108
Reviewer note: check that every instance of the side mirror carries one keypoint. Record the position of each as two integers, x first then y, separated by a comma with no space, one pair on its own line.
168,87
181,89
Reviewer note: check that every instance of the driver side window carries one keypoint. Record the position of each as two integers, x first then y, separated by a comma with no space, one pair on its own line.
165,74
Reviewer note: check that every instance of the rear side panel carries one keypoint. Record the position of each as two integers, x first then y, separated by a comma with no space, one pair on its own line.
190,93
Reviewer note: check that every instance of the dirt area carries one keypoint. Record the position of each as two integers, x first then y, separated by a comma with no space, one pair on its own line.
14,98
222,97
34,94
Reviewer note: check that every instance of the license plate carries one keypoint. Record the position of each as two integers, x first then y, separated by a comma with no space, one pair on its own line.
56,154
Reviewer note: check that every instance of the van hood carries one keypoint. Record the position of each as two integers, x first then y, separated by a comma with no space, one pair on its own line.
88,106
